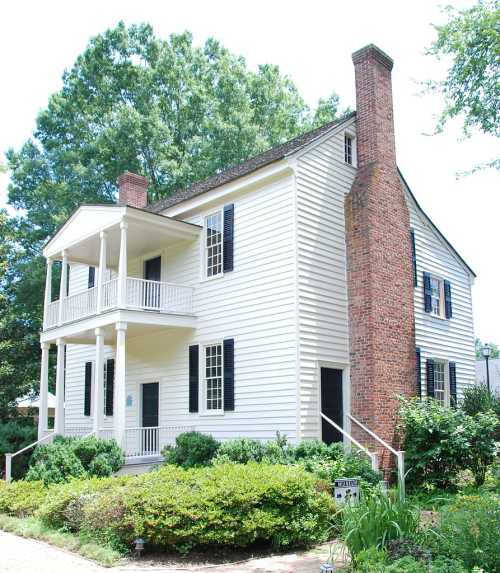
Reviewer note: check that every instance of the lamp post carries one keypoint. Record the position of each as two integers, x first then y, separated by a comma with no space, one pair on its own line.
486,354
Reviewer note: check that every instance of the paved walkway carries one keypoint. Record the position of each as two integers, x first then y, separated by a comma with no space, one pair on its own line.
19,555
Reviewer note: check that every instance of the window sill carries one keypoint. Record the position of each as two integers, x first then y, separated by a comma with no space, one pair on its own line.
213,414
214,278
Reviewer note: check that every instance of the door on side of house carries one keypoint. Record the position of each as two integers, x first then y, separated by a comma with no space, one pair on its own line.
331,404
150,400
152,272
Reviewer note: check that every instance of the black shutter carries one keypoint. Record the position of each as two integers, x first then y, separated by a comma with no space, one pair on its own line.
414,257
430,378
447,299
194,376
427,292
228,374
91,280
419,372
88,388
68,272
110,386
228,238
453,383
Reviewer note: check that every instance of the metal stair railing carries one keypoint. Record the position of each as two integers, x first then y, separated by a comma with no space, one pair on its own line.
400,455
372,455
8,457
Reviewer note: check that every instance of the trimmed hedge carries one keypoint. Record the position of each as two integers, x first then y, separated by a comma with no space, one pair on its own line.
69,458
174,508
21,498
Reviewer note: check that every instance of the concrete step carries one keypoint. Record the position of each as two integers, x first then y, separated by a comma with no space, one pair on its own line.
138,466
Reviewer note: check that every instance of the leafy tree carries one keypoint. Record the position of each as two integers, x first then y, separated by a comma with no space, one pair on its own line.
495,352
163,108
470,40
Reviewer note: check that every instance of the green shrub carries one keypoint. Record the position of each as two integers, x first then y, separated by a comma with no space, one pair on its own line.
377,520
240,451
21,498
69,458
469,530
378,561
225,505
478,399
313,449
191,450
440,442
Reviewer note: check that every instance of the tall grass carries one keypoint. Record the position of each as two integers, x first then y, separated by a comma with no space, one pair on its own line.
378,519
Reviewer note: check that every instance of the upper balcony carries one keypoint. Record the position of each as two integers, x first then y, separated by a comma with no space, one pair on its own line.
108,237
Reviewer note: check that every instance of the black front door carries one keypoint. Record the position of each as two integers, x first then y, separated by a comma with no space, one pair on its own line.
150,410
152,272
331,404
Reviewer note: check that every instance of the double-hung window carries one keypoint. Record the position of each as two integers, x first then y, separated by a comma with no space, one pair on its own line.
437,297
213,244
440,390
213,378
348,149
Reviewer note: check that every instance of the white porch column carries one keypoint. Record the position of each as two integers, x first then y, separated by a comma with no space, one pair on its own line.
43,414
98,381
62,286
122,267
120,384
59,421
102,269
48,291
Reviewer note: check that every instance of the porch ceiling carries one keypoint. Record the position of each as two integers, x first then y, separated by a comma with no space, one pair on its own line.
80,235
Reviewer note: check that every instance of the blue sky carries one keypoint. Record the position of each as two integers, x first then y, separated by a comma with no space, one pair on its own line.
312,42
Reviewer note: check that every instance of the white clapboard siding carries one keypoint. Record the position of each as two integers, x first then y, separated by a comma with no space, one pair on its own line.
254,304
449,340
322,180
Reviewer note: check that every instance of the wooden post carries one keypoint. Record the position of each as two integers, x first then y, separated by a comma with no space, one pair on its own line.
59,422
48,291
43,414
62,285
98,381
122,267
102,270
120,383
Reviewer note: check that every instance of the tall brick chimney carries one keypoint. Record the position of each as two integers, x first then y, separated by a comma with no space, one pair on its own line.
132,190
379,261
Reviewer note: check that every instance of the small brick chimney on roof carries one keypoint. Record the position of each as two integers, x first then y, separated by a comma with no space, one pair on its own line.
379,260
132,190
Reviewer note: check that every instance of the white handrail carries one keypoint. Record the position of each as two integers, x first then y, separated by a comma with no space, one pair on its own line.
8,457
372,455
400,455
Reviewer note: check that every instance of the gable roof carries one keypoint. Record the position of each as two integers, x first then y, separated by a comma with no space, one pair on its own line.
247,167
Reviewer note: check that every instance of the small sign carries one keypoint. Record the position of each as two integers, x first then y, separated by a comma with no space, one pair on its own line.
129,401
346,490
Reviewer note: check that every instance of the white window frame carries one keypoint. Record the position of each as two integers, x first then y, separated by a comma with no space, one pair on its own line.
446,381
206,276
204,385
440,281
349,135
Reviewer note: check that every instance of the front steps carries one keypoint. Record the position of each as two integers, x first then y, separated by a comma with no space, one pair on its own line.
136,466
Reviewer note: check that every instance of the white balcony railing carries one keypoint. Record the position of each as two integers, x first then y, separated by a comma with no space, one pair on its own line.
52,315
143,442
79,305
140,295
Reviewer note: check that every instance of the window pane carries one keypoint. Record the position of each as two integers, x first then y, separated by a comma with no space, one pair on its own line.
213,244
213,376
439,382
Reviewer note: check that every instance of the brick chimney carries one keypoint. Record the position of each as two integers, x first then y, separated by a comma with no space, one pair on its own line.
379,260
132,190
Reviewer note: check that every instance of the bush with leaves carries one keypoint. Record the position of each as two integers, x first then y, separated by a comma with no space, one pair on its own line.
469,530
479,400
21,498
440,442
174,508
69,458
191,450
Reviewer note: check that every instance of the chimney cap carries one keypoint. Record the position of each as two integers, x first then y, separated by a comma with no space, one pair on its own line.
132,178
372,51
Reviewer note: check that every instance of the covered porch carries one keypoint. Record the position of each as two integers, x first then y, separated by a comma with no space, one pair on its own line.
116,307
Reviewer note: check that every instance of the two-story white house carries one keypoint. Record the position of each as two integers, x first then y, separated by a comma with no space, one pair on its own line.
256,300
